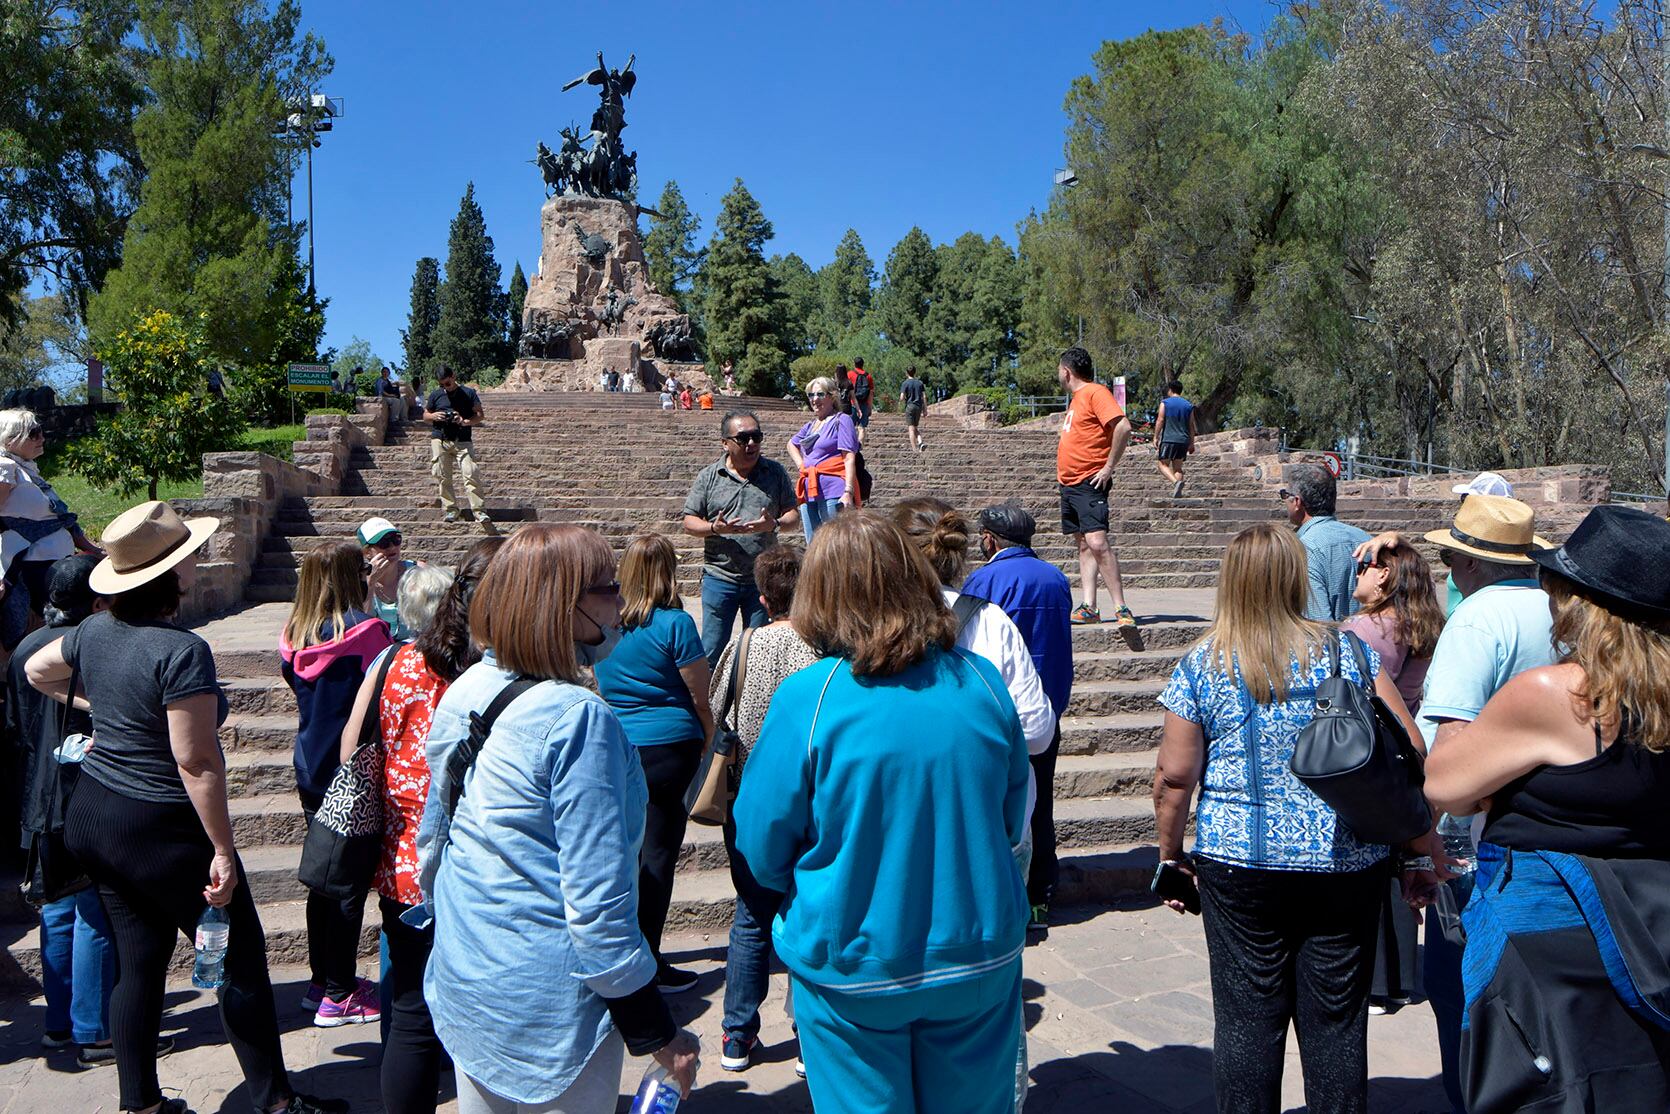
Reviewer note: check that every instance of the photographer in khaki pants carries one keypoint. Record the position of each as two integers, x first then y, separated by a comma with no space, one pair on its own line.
453,410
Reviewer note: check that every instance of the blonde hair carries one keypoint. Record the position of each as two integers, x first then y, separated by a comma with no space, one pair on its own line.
940,532
867,595
648,579
1259,625
17,426
331,584
1625,663
822,383
523,608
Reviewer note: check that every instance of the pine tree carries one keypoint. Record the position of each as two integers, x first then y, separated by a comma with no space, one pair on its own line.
799,305
906,292
518,295
670,246
209,238
844,287
419,333
737,297
469,332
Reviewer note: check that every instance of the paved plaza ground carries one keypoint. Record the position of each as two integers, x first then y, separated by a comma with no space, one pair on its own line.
1118,1012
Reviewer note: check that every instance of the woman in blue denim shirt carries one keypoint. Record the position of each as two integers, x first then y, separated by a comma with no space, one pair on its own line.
539,969
1290,896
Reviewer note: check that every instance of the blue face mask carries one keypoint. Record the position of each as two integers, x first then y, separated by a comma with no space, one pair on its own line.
589,654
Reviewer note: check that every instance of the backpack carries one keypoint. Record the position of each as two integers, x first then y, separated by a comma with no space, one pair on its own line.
861,384
965,609
865,480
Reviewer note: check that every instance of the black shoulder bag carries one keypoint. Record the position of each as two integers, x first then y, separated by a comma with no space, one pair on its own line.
1357,757
344,839
965,609
463,756
52,872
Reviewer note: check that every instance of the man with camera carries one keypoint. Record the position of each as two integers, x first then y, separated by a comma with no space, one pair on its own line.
453,410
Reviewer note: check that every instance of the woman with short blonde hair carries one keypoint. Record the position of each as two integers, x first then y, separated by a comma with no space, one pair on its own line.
1571,764
1290,896
656,679
884,796
825,450
539,968
38,527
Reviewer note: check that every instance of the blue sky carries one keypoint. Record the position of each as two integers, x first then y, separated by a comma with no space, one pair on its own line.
860,114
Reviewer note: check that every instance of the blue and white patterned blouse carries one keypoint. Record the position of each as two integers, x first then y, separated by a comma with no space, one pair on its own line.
1253,811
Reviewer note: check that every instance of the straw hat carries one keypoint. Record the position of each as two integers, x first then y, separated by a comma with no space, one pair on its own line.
144,542
1494,528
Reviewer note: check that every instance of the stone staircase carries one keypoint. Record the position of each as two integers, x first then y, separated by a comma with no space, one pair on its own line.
619,465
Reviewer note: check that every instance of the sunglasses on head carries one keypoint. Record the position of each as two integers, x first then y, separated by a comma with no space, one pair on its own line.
747,437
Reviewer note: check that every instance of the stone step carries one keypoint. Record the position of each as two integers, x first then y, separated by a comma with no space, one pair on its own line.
1109,698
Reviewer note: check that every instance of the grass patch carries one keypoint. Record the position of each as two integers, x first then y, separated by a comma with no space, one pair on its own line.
96,506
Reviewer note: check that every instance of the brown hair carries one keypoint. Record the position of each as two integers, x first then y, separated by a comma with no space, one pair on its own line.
1259,625
1411,599
1625,663
445,643
331,584
939,531
776,572
524,606
648,579
867,595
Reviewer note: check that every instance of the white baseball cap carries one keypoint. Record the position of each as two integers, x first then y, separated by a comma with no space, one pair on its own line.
1485,483
374,530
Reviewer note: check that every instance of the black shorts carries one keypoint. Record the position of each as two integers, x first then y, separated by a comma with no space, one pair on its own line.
913,414
1174,452
1084,508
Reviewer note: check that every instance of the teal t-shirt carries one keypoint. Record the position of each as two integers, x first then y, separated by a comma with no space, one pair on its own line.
1496,634
641,681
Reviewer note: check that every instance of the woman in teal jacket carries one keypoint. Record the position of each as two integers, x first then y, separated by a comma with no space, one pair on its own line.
884,795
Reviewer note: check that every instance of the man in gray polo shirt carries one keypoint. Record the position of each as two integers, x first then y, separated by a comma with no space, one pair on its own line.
736,506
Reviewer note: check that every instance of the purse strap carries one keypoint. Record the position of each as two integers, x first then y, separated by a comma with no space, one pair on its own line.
371,727
1356,643
465,754
733,691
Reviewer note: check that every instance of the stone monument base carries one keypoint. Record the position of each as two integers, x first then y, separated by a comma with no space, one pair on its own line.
586,374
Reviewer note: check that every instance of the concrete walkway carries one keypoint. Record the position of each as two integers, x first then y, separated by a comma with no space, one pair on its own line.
1118,1012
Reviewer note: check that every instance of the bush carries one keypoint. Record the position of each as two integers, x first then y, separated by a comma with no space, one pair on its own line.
489,377
332,403
811,367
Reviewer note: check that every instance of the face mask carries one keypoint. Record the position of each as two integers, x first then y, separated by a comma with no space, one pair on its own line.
589,655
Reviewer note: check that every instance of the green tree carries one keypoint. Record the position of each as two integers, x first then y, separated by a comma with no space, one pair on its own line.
974,317
41,332
670,246
358,354
516,297
737,298
469,329
71,168
798,303
158,368
906,293
209,236
845,289
418,336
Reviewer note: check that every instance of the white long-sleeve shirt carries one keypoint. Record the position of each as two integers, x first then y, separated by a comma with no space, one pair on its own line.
994,636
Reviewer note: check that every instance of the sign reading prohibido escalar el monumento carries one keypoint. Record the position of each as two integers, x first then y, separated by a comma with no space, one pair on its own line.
310,377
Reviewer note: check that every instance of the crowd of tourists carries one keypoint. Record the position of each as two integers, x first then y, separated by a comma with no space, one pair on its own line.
519,743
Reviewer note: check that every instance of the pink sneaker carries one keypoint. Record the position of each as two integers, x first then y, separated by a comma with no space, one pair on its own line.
359,1008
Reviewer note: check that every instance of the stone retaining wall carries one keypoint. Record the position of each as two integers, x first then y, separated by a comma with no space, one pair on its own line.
244,490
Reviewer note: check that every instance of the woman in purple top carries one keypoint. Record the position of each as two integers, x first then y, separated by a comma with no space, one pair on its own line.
1401,619
825,450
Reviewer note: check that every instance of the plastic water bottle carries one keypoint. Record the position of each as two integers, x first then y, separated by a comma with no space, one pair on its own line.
657,1094
213,931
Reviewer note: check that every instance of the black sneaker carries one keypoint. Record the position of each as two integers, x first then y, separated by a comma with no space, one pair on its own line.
57,1039
675,980
307,1104
737,1052
98,1055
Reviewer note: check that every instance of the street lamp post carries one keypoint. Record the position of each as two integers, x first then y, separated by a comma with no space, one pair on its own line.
308,116
1066,179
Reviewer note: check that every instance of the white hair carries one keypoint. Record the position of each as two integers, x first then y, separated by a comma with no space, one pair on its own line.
421,590
16,426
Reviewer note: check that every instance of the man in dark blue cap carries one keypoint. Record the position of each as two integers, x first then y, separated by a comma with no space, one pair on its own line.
1037,597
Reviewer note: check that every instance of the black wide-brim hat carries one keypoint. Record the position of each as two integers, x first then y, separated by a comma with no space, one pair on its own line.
1620,555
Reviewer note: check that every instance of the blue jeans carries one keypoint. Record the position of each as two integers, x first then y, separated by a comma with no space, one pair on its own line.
78,967
721,600
748,960
815,512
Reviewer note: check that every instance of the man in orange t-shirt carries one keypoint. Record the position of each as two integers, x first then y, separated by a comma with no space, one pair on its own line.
1094,433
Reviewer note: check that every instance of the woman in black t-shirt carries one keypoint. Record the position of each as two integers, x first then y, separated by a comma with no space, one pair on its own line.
148,819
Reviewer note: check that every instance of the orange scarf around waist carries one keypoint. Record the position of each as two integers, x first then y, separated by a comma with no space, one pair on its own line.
809,487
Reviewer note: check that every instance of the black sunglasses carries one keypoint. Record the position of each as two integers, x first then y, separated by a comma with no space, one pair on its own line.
747,437
1284,494
387,541
1364,566
1446,557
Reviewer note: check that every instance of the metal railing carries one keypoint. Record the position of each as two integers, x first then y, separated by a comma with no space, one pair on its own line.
1039,404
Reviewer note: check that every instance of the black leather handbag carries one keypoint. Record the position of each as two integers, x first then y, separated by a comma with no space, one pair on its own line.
1357,757
52,871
